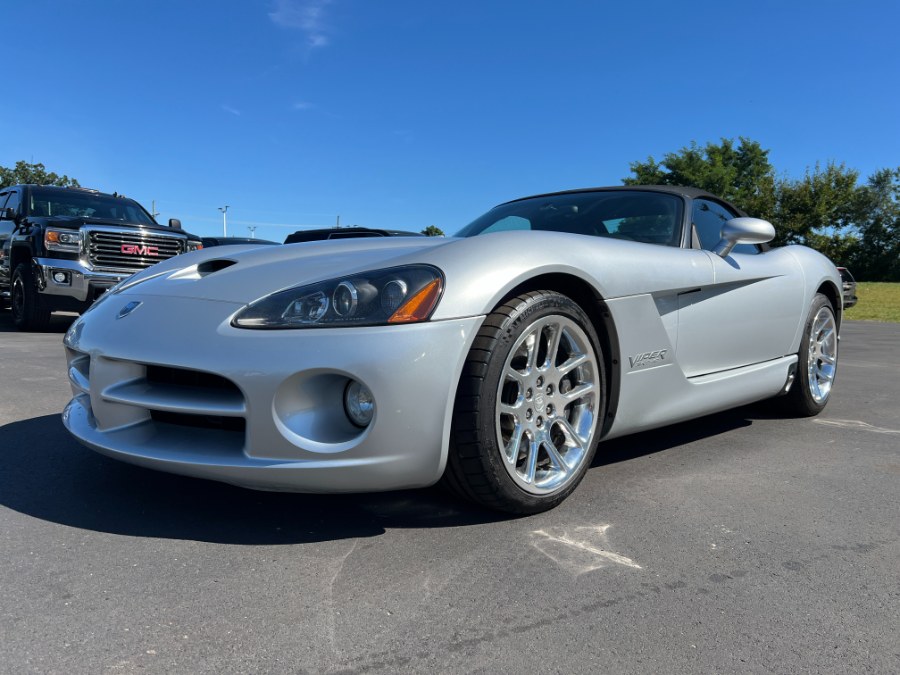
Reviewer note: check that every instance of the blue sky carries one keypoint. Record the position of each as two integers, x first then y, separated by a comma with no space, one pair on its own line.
406,114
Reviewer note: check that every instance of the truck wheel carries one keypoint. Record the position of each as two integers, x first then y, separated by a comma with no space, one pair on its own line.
28,310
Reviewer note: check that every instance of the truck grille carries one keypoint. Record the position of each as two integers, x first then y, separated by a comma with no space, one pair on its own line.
115,250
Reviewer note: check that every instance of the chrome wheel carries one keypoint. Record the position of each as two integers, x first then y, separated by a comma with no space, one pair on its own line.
547,404
822,355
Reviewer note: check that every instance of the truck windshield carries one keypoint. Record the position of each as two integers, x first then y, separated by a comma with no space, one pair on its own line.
86,205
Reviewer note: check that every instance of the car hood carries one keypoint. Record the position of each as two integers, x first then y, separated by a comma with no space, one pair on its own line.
479,271
242,274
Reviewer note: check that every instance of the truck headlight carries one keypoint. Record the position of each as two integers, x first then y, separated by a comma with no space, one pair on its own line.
62,240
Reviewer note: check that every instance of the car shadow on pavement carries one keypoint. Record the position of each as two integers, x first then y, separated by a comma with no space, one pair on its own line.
59,323
46,474
650,442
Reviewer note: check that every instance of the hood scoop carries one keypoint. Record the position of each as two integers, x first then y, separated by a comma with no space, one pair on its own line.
210,266
203,269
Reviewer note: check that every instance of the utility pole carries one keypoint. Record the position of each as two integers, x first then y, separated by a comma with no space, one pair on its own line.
153,211
224,210
338,225
252,229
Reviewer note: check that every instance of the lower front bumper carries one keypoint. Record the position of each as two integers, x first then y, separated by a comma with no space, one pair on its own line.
276,398
81,283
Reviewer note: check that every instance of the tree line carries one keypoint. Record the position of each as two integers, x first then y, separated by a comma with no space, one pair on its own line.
855,223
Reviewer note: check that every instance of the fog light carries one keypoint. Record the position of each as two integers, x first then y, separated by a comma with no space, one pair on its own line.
61,277
359,404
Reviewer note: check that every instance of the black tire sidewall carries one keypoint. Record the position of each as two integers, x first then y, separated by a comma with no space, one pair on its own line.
32,316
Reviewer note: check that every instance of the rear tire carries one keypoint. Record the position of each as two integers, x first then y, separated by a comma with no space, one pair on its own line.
816,362
528,408
28,310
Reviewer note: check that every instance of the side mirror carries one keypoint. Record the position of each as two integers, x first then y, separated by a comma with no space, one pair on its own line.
7,214
743,231
175,224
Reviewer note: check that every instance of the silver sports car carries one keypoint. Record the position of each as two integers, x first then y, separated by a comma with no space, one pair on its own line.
495,360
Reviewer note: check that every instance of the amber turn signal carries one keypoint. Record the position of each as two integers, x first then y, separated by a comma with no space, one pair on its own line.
419,306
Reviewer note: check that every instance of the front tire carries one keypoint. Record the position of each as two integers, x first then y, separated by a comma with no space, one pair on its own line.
28,311
816,362
529,404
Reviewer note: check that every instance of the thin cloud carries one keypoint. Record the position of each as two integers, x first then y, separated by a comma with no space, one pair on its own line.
307,16
302,105
233,111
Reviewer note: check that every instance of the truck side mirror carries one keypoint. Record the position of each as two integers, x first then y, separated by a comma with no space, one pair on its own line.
174,223
7,214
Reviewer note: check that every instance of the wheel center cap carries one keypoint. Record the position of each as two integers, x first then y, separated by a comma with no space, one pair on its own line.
539,402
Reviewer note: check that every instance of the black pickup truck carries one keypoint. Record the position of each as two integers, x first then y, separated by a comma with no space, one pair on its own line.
62,247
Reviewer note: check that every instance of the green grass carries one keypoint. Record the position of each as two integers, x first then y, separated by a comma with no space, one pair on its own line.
878,301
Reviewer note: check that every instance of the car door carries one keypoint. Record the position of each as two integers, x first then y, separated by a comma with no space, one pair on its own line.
749,311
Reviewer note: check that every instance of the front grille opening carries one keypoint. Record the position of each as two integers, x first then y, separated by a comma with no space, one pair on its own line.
216,422
189,378
130,250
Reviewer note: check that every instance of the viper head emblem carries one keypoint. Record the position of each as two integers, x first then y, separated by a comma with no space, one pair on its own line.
128,309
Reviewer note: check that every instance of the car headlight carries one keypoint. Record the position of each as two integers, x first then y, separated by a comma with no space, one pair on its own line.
193,245
62,240
406,294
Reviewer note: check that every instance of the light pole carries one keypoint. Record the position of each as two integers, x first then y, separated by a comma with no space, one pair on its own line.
252,229
224,210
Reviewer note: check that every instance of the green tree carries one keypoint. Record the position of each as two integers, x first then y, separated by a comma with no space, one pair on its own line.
433,231
24,173
821,210
877,255
738,171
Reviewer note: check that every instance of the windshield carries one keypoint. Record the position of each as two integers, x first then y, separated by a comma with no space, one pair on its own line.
650,217
76,204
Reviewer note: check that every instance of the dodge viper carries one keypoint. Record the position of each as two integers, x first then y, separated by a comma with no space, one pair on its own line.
495,361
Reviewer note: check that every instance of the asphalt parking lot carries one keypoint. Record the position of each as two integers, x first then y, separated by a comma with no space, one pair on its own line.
735,543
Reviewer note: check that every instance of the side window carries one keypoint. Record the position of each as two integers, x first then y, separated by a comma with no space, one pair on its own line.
3,197
708,218
13,202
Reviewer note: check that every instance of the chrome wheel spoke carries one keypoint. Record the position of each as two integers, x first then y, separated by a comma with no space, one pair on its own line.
531,464
571,435
515,442
555,458
553,345
571,364
511,410
531,349
512,374
579,391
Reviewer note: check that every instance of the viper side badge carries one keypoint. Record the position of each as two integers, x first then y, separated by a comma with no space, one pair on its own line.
640,360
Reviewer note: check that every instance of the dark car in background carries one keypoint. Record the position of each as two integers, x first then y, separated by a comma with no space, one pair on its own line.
235,241
849,283
322,234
